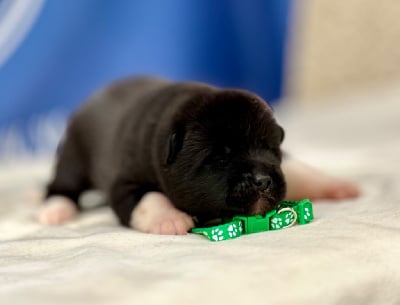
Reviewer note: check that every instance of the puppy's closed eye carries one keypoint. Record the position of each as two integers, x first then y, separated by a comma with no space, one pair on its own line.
175,144
282,131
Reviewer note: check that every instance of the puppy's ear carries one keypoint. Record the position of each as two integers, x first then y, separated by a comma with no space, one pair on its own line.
282,132
175,143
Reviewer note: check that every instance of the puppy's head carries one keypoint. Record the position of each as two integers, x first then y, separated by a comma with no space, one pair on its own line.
223,156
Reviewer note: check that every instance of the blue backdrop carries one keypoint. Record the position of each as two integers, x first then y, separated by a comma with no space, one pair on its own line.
74,47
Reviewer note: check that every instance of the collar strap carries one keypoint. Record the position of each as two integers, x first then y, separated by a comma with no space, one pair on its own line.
287,214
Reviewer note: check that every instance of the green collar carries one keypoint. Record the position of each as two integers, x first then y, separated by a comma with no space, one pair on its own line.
285,215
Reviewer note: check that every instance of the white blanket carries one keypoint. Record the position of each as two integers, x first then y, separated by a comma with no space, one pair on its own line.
350,254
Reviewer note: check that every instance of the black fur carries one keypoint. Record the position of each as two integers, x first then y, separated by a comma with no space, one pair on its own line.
203,147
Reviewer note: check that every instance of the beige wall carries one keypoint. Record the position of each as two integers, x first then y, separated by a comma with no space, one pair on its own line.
341,46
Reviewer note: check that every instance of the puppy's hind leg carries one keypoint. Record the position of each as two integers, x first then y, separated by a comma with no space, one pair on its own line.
303,181
70,180
58,210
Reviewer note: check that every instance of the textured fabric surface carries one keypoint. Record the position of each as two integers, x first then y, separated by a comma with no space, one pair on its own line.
348,255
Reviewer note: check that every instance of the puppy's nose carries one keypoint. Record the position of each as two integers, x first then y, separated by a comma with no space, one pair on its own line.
262,182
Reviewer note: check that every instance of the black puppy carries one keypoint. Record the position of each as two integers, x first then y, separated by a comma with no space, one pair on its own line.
212,153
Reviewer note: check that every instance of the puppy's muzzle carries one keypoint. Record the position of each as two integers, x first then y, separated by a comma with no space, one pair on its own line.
253,185
250,189
262,182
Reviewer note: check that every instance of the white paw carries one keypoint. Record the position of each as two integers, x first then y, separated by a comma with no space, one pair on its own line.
57,210
156,214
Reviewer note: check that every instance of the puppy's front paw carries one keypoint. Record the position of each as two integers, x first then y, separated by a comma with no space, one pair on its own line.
57,210
156,214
